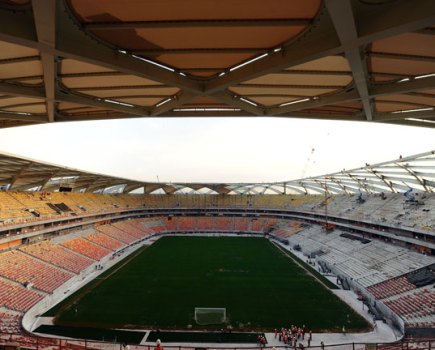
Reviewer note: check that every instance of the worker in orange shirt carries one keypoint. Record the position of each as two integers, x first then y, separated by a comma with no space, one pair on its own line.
159,345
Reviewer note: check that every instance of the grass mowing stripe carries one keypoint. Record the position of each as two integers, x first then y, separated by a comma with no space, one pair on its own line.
260,287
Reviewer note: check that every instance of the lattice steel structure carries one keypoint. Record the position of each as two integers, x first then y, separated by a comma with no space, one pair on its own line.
361,60
416,172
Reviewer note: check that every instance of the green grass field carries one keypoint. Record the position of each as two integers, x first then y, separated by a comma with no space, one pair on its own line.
260,287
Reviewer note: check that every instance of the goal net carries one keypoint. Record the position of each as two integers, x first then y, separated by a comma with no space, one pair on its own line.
207,315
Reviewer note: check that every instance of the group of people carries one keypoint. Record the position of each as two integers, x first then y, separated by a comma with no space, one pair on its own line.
261,340
291,335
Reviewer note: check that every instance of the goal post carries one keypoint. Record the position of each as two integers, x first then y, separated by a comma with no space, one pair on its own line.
210,315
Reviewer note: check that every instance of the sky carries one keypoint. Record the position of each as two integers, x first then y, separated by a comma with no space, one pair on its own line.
215,149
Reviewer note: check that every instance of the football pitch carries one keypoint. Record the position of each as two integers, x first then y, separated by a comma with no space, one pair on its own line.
260,287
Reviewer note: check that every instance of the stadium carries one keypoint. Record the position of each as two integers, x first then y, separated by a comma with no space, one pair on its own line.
343,260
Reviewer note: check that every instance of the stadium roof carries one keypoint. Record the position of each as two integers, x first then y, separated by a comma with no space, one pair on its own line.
416,172
364,60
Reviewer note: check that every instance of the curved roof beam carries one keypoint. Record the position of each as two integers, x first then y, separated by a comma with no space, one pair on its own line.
343,19
44,12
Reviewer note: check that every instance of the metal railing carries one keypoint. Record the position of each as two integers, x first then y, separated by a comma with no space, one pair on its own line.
42,343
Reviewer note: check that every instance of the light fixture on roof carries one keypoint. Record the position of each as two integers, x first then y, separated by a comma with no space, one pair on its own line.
278,49
221,74
420,120
414,110
425,76
163,102
183,74
294,102
248,101
248,62
154,63
17,113
403,80
118,103
122,51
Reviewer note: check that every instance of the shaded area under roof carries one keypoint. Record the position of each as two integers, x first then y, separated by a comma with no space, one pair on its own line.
74,60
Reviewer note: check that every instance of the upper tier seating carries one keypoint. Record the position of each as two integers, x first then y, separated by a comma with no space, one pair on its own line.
22,207
32,201
392,211
11,209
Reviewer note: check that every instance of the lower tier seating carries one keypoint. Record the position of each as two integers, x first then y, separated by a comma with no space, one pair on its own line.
58,255
24,269
17,297
105,240
87,248
10,322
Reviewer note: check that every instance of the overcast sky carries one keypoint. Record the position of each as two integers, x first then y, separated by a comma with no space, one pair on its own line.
216,149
